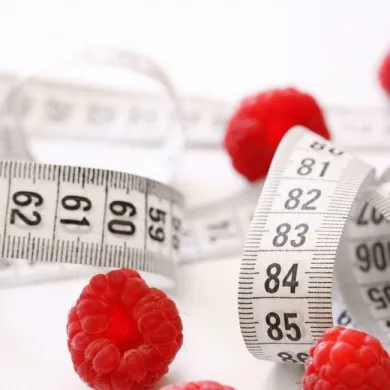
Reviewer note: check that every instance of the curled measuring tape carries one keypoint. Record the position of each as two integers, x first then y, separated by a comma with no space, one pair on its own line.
76,111
322,212
84,218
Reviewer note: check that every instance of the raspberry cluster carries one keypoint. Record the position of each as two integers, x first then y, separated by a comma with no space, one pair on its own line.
261,121
122,334
347,359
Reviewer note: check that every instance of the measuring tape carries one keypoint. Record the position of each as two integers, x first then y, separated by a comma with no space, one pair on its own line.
321,212
211,231
318,204
202,233
88,216
86,219
59,110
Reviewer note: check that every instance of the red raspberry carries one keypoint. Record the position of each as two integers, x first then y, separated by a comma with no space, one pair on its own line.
347,359
202,385
122,334
384,73
260,122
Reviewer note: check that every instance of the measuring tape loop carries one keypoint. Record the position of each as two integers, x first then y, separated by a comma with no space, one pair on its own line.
62,110
125,221
322,212
17,102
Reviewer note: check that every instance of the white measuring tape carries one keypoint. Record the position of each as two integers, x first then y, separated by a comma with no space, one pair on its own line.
84,219
88,216
76,111
59,110
321,211
209,232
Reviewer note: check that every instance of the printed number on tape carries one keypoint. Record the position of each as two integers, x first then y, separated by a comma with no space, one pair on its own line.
322,214
73,215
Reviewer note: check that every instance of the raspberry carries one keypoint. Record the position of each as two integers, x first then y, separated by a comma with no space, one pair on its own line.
384,73
202,385
347,359
260,122
122,334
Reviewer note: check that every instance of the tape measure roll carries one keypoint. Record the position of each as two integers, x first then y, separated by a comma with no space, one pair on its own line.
297,239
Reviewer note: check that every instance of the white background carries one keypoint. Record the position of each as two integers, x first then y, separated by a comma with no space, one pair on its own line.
214,48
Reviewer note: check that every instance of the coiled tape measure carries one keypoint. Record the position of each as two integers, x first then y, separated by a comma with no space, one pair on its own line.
318,204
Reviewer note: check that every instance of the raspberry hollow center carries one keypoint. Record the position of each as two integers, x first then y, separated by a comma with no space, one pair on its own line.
123,329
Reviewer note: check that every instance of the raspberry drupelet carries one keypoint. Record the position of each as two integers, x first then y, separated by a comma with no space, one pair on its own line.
123,334
260,122
347,359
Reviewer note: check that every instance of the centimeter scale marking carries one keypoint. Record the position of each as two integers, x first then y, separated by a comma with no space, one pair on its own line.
285,294
93,217
208,232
